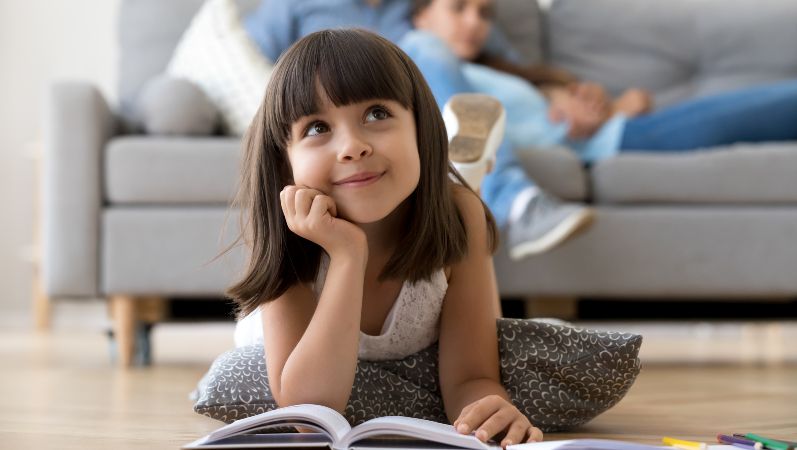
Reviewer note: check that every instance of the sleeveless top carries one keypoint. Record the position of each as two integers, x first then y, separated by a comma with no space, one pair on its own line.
412,324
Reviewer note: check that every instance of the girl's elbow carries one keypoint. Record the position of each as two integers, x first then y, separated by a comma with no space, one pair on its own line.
290,397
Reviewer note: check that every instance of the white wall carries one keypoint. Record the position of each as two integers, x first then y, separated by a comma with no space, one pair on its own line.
40,41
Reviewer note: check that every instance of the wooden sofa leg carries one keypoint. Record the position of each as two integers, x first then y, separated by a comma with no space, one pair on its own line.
565,308
128,313
42,305
123,313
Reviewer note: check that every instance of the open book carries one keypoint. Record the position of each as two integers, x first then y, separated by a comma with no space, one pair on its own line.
333,431
388,433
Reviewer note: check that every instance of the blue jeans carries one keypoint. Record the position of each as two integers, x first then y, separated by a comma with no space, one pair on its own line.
757,114
443,71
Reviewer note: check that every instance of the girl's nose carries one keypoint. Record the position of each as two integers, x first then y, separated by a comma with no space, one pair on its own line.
353,148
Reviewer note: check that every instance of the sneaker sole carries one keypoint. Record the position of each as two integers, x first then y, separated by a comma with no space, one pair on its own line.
473,140
556,236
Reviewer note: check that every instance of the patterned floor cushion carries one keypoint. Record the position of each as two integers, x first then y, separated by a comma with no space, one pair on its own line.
559,376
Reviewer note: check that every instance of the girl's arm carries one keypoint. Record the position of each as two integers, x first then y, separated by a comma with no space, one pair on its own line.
311,347
311,350
469,370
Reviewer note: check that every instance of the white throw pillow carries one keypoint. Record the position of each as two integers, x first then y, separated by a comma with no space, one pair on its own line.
217,54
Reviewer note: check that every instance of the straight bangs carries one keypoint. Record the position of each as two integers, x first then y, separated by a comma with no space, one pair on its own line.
371,69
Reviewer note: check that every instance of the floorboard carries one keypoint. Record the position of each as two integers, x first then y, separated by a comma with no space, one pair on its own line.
59,391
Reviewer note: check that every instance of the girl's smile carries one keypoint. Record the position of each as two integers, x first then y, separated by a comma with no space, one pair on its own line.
360,179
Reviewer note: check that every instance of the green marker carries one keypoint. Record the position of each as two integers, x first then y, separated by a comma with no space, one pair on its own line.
769,443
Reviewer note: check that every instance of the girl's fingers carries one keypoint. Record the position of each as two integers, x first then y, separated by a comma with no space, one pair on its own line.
289,201
478,413
333,208
462,414
516,433
304,199
535,435
322,205
496,423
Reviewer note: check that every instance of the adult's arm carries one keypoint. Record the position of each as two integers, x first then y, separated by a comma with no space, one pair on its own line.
540,75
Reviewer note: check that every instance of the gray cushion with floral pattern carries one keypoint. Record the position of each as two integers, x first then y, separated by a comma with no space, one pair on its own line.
559,376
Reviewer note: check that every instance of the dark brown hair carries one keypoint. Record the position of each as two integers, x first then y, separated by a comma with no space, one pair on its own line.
350,66
417,6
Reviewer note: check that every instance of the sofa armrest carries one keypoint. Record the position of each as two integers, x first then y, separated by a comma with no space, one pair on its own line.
78,124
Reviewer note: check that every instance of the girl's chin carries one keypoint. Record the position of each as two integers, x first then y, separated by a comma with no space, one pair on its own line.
364,215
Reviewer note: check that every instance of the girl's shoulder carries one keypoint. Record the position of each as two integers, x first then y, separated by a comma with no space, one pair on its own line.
479,223
462,194
474,212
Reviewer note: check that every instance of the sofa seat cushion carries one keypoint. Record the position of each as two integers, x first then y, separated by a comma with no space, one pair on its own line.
169,250
739,174
163,170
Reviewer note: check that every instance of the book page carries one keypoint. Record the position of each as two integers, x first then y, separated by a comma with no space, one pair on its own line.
584,444
413,428
599,444
327,419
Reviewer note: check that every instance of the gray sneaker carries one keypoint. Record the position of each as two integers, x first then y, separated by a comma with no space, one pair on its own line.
545,223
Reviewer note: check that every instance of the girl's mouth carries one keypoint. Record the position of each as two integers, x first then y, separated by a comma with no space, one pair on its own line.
360,179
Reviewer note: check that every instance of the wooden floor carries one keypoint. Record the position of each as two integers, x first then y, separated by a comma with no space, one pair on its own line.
58,391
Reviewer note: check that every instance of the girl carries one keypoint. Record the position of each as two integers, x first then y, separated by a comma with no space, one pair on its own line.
361,244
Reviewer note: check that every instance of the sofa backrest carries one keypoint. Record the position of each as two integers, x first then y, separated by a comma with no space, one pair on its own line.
676,48
149,31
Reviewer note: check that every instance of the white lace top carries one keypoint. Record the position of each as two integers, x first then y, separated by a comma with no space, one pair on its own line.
412,324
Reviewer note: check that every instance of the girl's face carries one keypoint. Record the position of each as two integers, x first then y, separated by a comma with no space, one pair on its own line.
462,24
364,155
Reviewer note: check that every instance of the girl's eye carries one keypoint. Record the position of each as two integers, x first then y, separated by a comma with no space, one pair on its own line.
316,128
377,113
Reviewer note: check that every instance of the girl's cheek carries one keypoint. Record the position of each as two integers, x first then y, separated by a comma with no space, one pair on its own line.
309,171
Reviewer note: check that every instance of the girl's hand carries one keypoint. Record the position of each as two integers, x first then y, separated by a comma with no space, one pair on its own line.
313,215
492,415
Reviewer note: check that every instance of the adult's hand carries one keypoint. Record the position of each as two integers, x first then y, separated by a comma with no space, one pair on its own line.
583,117
592,95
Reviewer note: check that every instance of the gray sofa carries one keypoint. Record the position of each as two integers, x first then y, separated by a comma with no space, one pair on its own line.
133,218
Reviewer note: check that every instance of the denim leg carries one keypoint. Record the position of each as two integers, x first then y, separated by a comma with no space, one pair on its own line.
443,72
758,114
501,186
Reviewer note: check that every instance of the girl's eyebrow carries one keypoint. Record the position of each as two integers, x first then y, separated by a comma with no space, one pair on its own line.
308,118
